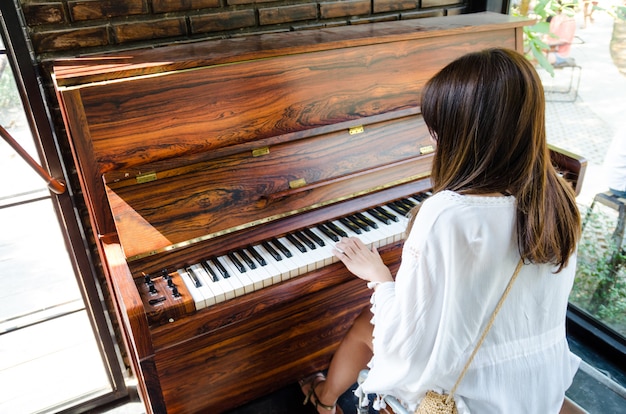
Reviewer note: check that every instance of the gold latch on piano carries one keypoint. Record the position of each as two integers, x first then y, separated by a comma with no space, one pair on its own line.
427,149
146,177
356,130
258,152
300,182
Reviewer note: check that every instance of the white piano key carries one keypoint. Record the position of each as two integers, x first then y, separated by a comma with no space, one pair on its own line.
385,232
257,274
310,259
241,282
319,253
326,250
277,268
274,271
211,295
230,289
198,297
296,263
207,279
368,238
273,274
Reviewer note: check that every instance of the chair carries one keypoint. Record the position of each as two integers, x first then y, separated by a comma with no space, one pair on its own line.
618,204
563,31
569,406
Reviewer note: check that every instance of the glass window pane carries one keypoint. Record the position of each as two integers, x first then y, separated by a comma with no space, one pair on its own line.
17,176
36,271
50,364
600,287
50,358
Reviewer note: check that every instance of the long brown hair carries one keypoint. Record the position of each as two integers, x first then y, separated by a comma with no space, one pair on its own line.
486,111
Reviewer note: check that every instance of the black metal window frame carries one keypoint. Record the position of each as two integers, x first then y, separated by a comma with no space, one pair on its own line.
29,84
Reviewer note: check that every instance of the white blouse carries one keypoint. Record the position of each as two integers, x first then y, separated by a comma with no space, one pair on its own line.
455,266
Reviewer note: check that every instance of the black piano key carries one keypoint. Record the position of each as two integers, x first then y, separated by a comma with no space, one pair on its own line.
296,243
337,230
244,256
260,260
237,263
349,224
271,251
194,277
387,213
220,268
314,237
328,232
408,203
304,239
379,216
366,219
283,249
210,271
398,208
360,223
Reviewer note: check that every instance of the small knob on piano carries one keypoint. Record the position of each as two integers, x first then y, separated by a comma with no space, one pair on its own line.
175,292
170,283
152,288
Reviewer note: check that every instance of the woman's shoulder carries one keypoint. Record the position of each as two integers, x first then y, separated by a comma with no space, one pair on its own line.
447,199
449,210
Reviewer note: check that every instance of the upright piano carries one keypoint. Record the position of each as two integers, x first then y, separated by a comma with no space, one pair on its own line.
216,175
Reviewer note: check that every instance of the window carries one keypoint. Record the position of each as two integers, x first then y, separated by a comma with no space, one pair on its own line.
50,356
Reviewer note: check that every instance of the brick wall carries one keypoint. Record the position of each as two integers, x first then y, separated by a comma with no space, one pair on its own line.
72,27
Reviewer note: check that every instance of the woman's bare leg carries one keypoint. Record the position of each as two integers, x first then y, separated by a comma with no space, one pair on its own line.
353,354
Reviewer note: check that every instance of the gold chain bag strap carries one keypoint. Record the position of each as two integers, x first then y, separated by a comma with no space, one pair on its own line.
435,403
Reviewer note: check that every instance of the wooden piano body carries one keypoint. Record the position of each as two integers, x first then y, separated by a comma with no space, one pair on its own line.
193,150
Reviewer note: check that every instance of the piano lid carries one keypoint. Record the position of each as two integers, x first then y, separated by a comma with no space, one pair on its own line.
204,147
166,210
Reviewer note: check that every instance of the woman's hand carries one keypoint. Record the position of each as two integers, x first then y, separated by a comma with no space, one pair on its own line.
361,261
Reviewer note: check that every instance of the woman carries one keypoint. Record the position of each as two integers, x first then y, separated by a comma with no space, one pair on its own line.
496,198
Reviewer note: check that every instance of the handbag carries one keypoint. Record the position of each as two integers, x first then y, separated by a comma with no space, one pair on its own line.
436,403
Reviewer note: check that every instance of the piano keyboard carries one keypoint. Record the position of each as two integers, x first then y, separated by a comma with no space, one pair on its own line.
246,270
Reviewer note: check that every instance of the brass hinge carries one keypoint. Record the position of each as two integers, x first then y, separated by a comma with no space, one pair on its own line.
356,130
300,182
146,177
257,152
427,149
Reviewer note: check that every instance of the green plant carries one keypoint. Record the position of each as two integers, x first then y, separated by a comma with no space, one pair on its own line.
600,285
535,45
616,11
8,93
9,97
